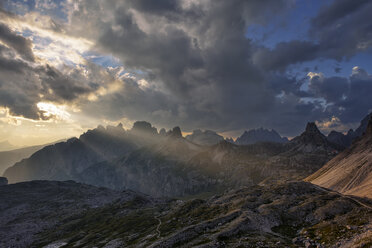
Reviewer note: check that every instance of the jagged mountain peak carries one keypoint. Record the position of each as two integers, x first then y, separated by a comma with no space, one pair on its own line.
176,132
312,128
312,140
144,126
312,133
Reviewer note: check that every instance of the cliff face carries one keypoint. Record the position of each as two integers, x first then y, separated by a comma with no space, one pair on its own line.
350,172
260,135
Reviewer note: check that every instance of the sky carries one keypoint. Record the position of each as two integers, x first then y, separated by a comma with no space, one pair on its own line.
67,66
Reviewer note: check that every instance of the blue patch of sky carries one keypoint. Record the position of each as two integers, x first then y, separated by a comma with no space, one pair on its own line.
330,67
110,61
21,7
102,60
293,25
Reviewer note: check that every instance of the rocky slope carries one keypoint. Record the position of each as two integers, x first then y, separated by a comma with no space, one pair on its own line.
206,137
67,214
351,171
9,158
259,135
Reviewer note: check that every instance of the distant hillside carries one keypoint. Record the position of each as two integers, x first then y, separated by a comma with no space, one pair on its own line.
65,160
9,158
350,172
6,146
259,135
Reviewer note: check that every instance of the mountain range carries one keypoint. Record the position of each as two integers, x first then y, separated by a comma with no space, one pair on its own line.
223,195
168,164
10,157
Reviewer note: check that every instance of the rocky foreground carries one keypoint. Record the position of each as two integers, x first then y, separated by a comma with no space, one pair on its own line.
68,214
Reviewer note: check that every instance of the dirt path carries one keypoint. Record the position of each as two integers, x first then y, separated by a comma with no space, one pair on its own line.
344,196
158,226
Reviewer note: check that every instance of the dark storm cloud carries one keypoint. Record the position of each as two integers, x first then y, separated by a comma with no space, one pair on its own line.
339,31
333,89
24,84
17,42
199,55
349,98
287,53
64,87
337,11
202,70
207,74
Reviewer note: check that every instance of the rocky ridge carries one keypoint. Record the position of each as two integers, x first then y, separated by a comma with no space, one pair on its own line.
350,172
345,140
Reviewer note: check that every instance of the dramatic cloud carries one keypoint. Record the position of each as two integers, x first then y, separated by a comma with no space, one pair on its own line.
24,84
338,32
17,42
191,63
195,54
348,98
